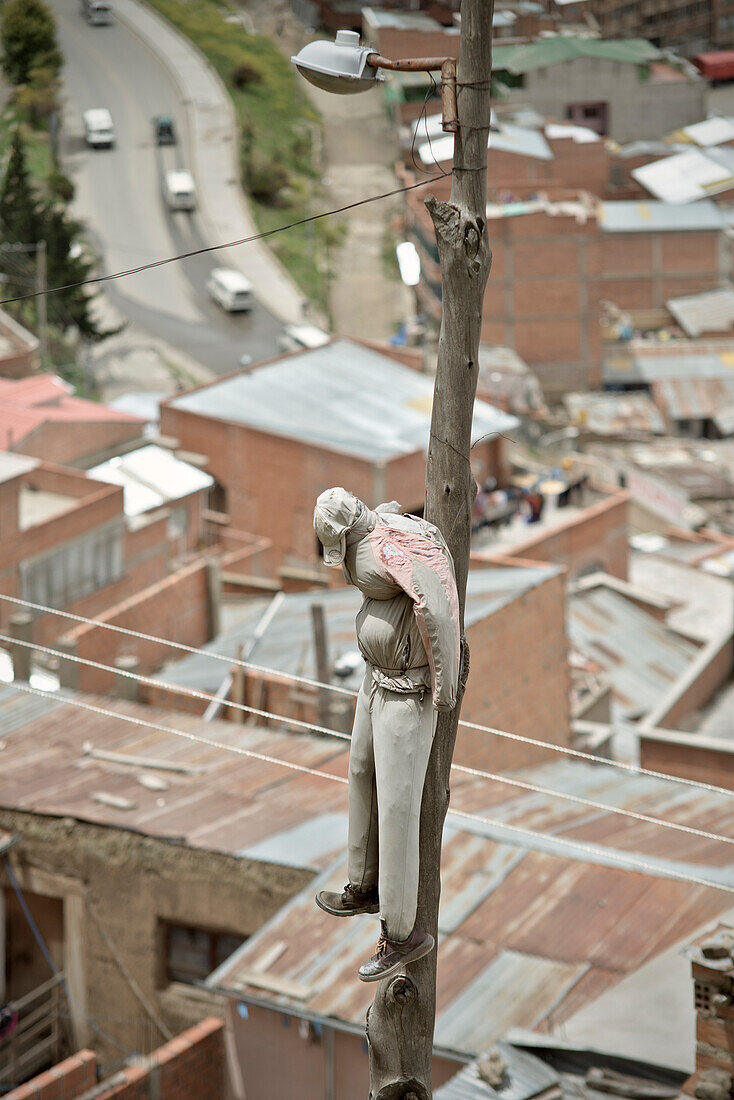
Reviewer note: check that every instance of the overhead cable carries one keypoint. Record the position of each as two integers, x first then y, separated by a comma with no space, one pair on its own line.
547,746
314,728
611,857
94,279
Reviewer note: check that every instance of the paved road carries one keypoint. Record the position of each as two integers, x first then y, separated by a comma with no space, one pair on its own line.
119,196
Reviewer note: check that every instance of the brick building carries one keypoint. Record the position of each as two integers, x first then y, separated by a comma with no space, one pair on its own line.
342,414
677,24
67,543
556,261
40,416
516,632
18,348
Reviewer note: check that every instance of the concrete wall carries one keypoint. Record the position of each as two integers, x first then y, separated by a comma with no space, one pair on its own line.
280,1056
91,868
638,107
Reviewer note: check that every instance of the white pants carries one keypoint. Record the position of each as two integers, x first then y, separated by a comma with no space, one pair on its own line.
391,743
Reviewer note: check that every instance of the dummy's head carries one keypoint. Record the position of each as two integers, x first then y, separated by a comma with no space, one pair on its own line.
336,512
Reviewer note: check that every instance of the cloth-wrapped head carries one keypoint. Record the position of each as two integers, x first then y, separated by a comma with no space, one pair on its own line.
336,512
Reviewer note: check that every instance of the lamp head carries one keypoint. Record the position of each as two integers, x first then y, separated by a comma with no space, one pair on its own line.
339,66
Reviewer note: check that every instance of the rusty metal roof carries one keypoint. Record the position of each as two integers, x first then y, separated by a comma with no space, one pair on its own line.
640,654
217,801
614,413
529,934
693,398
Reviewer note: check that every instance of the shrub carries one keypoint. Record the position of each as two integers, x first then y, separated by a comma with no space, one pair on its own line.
244,74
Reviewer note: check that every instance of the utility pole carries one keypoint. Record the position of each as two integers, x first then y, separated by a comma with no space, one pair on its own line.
400,1021
41,287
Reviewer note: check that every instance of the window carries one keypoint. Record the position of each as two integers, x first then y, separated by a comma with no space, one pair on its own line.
191,954
75,569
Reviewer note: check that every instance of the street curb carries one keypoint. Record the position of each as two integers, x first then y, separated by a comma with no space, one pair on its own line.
289,314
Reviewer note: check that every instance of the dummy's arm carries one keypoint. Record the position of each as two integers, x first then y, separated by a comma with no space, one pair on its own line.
423,570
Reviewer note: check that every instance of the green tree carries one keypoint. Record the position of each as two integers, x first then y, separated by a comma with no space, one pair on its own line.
20,214
28,39
26,219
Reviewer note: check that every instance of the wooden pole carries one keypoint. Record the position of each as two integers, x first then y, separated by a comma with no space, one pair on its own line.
401,1020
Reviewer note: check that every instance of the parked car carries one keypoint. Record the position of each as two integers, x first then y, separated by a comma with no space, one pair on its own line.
98,129
298,337
165,133
97,12
230,289
179,190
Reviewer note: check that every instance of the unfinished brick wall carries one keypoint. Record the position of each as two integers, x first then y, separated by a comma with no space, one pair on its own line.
176,608
67,442
595,540
519,681
66,1081
189,1067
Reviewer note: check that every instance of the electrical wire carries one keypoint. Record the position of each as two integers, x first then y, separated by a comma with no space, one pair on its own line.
608,856
548,746
95,279
313,728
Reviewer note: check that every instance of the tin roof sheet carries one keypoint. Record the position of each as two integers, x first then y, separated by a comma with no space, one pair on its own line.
151,477
641,655
627,216
639,361
507,138
685,177
711,311
711,131
287,645
614,413
692,398
341,396
555,50
506,956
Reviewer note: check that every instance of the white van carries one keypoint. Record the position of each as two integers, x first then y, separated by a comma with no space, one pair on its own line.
230,289
179,190
98,129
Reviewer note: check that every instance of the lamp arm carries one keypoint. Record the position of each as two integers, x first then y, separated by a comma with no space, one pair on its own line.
447,65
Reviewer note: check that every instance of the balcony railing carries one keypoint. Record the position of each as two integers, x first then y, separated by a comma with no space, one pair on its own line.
35,1036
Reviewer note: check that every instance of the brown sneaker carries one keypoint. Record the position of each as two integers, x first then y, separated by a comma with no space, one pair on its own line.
349,903
392,955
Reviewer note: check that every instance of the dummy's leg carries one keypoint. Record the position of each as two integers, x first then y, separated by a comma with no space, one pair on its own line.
360,893
403,729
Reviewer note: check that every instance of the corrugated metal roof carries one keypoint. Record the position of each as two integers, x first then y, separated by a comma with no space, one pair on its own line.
692,398
12,465
614,413
686,177
151,477
341,396
712,131
506,955
555,50
524,1076
287,645
641,362
218,801
641,655
711,311
626,216
507,138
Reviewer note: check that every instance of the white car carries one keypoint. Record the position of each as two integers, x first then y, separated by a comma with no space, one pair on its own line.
299,337
230,289
98,129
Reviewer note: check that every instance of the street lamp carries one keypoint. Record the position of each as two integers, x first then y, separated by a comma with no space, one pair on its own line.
345,67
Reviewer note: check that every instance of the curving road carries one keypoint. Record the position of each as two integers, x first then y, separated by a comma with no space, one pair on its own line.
120,200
